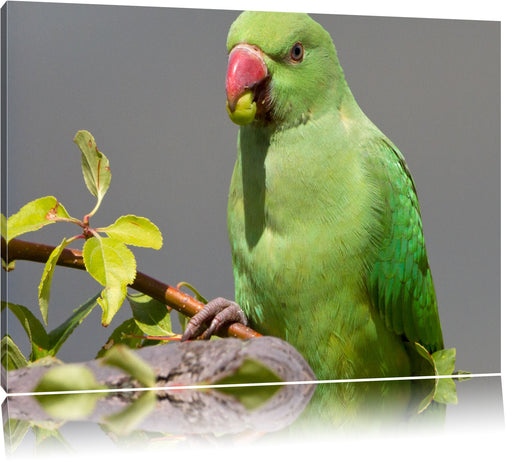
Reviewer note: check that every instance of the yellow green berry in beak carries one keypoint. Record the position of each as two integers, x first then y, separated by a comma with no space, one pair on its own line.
245,109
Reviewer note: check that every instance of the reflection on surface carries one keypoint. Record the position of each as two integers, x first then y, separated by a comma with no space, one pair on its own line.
154,419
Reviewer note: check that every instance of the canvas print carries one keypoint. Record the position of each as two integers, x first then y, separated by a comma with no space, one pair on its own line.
213,198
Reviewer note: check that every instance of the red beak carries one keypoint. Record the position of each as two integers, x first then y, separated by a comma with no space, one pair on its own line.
246,68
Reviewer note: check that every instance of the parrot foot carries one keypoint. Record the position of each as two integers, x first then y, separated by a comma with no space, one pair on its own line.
217,313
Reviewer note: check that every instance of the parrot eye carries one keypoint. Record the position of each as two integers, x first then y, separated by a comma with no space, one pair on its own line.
297,52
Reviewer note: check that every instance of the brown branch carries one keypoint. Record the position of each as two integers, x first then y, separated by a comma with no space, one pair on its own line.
71,258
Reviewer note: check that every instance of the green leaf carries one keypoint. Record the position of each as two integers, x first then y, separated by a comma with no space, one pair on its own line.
60,334
113,265
3,226
34,216
133,230
445,361
12,357
14,432
125,421
34,329
128,333
69,377
251,371
446,392
95,166
46,279
151,316
123,358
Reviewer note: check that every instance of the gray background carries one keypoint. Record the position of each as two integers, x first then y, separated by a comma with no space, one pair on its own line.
149,84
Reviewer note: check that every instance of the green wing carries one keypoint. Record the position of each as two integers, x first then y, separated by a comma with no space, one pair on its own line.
400,281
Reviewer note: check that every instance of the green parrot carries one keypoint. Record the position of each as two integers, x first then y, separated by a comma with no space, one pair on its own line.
323,218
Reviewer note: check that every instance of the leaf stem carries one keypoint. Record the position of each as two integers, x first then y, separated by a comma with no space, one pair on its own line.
71,258
93,211
76,221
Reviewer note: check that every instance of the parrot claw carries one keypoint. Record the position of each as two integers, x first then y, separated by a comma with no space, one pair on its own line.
217,313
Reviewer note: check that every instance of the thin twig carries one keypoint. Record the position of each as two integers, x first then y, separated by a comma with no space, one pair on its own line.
72,258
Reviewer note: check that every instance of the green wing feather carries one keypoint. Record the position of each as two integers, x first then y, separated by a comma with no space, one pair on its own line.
400,280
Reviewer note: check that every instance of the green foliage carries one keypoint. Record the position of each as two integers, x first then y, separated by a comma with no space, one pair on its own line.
251,372
12,357
43,344
439,363
59,335
14,432
49,438
106,257
34,329
150,315
134,230
125,421
35,215
95,167
444,361
113,265
122,357
3,226
68,378
127,333
46,280
57,389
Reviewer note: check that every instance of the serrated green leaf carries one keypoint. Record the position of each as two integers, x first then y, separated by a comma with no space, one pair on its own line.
107,258
446,392
445,361
34,329
14,432
12,357
60,334
125,421
46,279
127,333
251,371
95,166
123,358
150,315
113,265
34,216
133,230
69,377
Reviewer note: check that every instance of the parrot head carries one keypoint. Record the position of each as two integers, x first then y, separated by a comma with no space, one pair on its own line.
282,68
